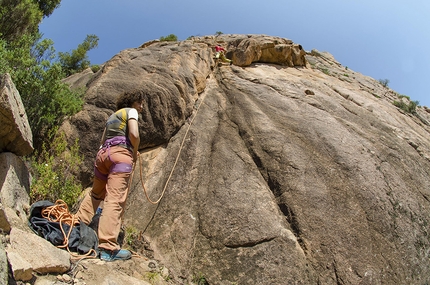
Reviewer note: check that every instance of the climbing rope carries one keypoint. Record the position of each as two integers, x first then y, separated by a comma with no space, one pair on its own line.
59,212
217,61
174,165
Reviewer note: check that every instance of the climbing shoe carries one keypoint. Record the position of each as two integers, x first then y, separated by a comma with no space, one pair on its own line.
121,254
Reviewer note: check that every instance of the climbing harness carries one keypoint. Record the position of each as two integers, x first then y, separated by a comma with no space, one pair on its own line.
174,165
116,167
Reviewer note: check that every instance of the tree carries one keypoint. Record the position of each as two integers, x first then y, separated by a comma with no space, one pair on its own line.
48,6
46,99
18,18
77,60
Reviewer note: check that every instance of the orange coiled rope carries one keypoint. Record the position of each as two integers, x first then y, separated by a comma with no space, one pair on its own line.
59,212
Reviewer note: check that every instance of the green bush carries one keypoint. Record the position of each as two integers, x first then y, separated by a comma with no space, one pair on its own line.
409,108
54,171
384,82
169,38
95,68
46,99
404,96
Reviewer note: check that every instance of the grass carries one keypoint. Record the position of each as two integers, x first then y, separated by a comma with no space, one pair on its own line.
200,279
152,276
131,234
325,70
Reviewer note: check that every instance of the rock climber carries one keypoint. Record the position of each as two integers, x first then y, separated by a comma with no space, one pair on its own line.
113,167
220,54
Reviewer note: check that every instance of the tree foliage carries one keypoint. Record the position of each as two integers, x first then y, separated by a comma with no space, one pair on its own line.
77,60
46,98
47,6
18,17
30,62
37,74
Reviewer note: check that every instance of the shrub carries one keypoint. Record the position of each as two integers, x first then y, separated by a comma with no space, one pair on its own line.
409,108
53,171
169,38
413,106
46,99
384,82
95,68
404,96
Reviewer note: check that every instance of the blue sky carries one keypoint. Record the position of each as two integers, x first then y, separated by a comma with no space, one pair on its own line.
384,39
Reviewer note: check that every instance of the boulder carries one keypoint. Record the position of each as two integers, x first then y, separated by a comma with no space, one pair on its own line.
4,221
21,268
15,133
27,248
4,265
14,188
80,80
246,50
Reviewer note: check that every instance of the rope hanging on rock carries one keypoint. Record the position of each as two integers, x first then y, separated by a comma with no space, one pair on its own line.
176,160
174,165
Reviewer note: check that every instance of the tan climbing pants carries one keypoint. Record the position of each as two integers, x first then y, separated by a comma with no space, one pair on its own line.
113,193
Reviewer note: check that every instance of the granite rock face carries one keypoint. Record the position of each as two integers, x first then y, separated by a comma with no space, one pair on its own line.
283,168
15,132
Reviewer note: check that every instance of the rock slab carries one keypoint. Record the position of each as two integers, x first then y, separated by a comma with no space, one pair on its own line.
15,132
